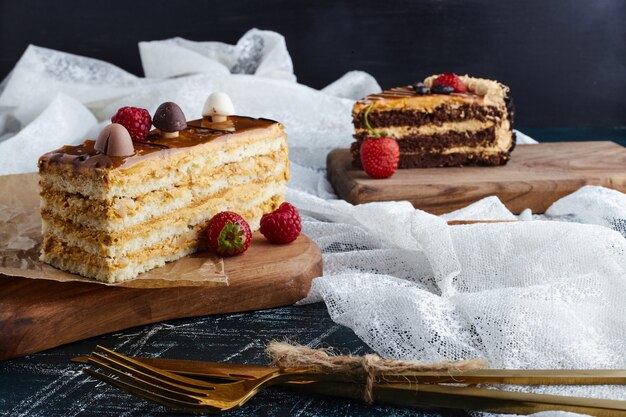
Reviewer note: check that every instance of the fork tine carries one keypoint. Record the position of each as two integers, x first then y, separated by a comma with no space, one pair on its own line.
161,374
171,403
147,381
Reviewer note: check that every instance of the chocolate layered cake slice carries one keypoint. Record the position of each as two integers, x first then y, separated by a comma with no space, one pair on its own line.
468,122
113,208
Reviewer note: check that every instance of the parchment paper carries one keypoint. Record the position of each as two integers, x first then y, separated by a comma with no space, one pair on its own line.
21,238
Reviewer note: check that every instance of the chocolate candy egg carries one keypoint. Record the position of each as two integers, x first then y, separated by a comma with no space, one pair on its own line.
114,140
169,119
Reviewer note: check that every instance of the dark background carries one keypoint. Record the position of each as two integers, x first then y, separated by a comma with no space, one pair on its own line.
565,60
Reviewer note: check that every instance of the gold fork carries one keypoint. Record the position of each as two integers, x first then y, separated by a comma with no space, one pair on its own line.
235,371
188,394
192,395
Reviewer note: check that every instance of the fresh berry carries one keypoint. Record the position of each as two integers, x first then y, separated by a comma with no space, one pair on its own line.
136,120
229,234
451,80
442,89
421,89
380,156
283,225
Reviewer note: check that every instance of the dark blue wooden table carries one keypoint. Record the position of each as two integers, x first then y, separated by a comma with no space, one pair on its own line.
48,385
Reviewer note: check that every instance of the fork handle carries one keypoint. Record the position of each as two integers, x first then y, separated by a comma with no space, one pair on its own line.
484,376
516,377
470,398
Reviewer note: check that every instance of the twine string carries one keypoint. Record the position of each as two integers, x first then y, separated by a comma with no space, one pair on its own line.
370,367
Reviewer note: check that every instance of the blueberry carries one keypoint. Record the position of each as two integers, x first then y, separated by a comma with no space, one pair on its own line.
441,89
421,89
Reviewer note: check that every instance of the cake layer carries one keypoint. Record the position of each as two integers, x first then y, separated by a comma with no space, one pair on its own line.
400,131
177,169
250,201
75,256
73,259
120,213
452,159
443,114
449,159
171,245
402,98
439,142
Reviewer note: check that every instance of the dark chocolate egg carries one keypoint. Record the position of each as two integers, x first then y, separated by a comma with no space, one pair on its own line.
169,118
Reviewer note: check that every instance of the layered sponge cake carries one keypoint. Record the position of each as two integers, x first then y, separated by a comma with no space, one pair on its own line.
112,217
446,120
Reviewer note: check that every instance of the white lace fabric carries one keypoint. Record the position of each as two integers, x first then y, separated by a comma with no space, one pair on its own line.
547,292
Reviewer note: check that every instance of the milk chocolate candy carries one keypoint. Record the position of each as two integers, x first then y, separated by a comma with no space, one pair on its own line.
114,140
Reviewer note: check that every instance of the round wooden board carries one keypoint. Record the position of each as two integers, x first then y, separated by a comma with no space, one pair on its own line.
40,314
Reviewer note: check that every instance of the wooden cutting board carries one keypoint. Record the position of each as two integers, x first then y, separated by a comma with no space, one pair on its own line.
535,177
38,314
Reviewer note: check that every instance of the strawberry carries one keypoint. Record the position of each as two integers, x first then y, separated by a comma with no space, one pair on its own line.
451,80
380,156
380,153
136,120
283,225
229,234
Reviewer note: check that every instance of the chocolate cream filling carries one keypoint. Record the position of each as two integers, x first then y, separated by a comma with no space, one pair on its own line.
424,143
440,115
416,152
433,160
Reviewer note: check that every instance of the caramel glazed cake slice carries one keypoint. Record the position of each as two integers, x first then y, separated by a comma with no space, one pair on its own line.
437,130
111,218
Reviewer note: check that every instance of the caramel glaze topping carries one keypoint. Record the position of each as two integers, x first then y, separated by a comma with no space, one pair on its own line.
406,91
200,131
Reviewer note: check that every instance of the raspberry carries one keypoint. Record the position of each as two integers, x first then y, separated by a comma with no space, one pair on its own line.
451,80
282,225
380,156
229,234
136,120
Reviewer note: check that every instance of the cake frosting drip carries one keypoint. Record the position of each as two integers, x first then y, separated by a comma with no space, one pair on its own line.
85,156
